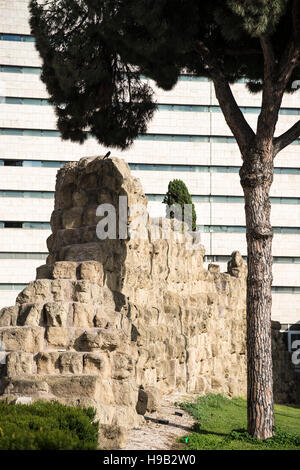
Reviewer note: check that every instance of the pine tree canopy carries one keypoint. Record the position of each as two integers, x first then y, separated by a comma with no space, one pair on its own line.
96,52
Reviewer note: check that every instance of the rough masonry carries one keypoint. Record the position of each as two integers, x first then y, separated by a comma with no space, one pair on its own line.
115,323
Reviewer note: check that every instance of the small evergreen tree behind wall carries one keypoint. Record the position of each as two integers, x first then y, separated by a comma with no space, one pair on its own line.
179,194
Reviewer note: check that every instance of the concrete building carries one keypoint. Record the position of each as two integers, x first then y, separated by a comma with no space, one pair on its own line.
187,139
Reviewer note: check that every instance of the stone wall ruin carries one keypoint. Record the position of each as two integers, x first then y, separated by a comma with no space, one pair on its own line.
114,323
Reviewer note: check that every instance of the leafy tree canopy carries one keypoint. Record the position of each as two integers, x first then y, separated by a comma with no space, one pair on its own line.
95,51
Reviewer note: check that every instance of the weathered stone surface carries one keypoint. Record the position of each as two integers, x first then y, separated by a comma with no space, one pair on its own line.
47,362
58,337
91,271
74,385
31,386
62,290
27,338
80,198
153,398
83,314
72,217
30,314
57,313
20,363
112,436
141,406
64,270
123,365
9,315
36,292
97,363
71,363
236,266
44,272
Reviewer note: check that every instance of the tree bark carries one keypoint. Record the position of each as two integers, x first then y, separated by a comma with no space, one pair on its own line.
256,179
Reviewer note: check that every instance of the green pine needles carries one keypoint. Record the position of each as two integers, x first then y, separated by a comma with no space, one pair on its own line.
178,194
95,53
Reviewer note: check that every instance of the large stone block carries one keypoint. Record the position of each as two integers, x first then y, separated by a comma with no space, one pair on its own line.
20,363
112,436
9,315
57,313
30,386
47,362
44,271
84,314
30,314
71,218
97,363
36,292
62,290
74,386
123,366
91,271
22,338
64,270
58,337
71,363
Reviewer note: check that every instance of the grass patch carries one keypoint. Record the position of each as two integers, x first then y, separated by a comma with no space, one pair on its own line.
222,425
47,426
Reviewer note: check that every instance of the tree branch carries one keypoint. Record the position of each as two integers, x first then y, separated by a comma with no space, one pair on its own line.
290,57
232,113
269,57
271,99
286,138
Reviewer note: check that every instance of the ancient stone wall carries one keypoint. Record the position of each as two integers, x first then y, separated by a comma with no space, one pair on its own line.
112,323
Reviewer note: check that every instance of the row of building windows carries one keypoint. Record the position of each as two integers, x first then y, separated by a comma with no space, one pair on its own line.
151,197
27,194
276,259
20,69
31,225
13,286
152,137
229,199
160,107
149,167
200,228
38,70
16,37
242,229
286,290
201,168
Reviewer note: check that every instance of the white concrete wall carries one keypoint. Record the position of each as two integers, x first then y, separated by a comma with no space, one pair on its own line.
26,209
286,308
14,19
14,16
18,271
8,297
23,240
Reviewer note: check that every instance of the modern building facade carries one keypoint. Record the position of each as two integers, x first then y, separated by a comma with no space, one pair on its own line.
187,139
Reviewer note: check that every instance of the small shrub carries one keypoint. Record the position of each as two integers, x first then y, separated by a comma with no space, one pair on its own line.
179,194
47,426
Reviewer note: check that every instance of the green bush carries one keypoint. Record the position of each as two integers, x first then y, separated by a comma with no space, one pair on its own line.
178,193
47,426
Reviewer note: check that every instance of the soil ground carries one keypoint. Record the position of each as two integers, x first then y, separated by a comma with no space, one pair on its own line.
153,435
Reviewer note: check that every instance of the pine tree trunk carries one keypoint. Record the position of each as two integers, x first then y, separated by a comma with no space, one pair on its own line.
256,179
